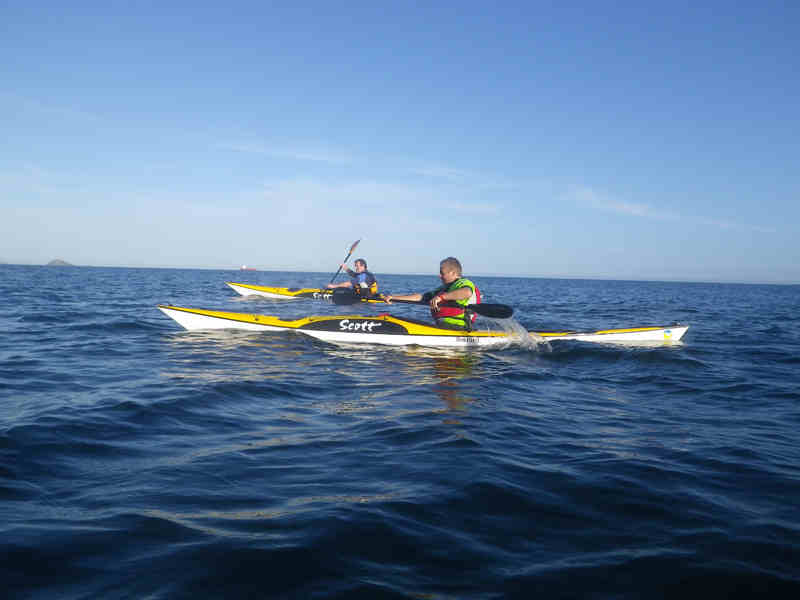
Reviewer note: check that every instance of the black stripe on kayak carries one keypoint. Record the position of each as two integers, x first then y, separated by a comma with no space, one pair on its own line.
357,325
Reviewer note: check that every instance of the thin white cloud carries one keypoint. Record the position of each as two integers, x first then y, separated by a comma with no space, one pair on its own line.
49,109
299,154
348,195
439,172
321,154
591,197
375,195
475,209
30,178
476,181
729,225
637,210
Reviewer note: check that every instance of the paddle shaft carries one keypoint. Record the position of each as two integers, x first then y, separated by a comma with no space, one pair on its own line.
496,311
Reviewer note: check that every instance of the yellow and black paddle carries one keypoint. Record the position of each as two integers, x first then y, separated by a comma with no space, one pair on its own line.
346,296
353,247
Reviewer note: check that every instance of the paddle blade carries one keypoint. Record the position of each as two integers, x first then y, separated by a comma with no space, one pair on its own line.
345,297
353,247
494,311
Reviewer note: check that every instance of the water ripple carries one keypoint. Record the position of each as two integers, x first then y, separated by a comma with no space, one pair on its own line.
137,460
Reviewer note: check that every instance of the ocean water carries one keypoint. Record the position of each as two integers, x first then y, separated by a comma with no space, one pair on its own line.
138,460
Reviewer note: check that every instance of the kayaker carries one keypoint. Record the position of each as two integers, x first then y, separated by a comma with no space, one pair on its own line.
361,280
449,301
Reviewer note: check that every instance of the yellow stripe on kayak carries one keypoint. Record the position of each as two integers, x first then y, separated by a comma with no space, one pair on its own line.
630,330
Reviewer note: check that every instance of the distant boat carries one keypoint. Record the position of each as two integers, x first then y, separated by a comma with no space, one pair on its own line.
246,268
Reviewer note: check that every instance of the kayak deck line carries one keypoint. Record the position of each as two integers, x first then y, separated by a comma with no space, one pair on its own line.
387,329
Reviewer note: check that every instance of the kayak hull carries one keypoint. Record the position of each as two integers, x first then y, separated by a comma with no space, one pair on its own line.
388,330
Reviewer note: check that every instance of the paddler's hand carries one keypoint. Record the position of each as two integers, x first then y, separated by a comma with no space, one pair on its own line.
387,298
435,301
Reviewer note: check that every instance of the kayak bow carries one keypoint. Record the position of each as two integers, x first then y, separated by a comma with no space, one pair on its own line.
388,330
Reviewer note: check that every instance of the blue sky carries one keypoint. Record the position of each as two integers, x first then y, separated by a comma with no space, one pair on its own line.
622,140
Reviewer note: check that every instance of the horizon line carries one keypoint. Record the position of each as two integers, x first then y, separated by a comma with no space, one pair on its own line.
477,274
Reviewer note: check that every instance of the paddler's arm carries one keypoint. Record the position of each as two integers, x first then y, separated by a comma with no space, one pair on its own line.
349,272
457,294
413,297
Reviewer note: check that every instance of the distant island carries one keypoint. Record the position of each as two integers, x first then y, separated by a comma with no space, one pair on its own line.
59,263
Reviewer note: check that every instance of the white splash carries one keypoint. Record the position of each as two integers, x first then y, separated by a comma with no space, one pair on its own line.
519,336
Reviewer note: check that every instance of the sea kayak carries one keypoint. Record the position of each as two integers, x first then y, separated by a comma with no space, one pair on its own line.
389,330
285,293
279,293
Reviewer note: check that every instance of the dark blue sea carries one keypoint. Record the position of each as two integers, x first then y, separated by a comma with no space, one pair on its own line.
138,460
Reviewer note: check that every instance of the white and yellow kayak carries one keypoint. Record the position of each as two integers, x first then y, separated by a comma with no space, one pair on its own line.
279,293
388,330
285,293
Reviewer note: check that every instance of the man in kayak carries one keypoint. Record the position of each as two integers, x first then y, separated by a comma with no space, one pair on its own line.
449,301
362,281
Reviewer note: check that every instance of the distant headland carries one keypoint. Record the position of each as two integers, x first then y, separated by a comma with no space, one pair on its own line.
59,263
